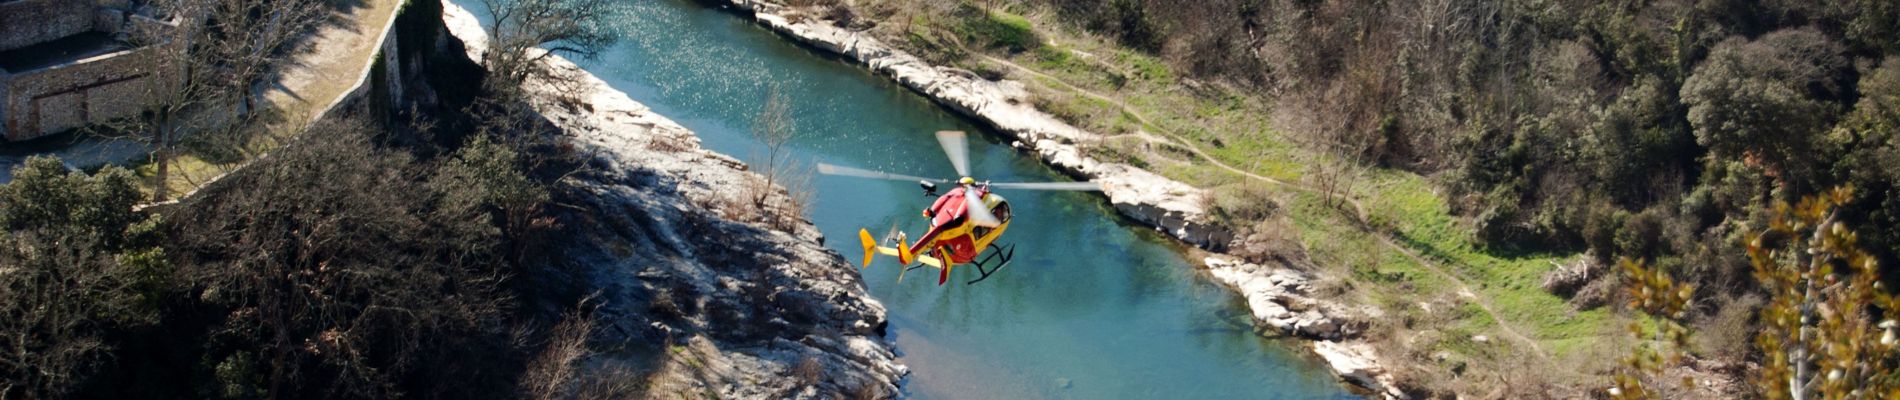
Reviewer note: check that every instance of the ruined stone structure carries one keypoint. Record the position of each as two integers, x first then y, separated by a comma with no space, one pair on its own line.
65,64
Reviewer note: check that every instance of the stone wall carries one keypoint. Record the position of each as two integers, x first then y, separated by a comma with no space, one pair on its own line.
26,22
367,91
50,100
91,90
5,78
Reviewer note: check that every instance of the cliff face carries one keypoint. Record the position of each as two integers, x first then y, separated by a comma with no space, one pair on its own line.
704,305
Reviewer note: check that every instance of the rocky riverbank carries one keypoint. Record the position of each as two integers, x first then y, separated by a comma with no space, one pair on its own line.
1277,295
735,307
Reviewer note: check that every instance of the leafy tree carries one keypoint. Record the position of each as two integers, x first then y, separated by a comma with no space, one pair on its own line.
74,259
1766,99
1868,140
1827,332
484,183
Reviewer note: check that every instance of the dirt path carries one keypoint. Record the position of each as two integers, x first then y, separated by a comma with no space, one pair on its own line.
305,88
1359,210
338,56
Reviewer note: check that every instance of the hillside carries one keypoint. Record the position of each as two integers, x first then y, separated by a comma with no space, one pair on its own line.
1475,168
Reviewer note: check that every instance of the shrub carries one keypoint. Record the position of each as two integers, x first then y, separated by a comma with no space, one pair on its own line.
998,29
989,71
393,275
809,370
1823,324
1642,235
1242,204
1728,334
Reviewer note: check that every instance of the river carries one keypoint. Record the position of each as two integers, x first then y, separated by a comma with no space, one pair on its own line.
1094,307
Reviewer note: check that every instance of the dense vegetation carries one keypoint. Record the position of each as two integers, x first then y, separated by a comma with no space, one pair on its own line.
272,283
1432,150
1571,124
390,250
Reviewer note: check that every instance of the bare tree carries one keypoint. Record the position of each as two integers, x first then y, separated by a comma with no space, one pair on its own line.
251,34
208,55
187,81
774,126
345,292
777,169
552,374
527,32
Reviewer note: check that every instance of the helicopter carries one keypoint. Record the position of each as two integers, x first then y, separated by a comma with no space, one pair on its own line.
964,222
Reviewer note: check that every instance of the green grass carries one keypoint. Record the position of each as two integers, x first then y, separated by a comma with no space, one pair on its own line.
1421,220
1199,175
1147,68
1335,244
997,28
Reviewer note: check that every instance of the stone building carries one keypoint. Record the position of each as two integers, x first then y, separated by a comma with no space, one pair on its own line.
65,64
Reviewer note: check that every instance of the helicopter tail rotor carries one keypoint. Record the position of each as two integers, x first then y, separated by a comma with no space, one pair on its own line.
871,248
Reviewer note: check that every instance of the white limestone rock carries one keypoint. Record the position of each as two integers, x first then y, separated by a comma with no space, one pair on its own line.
764,300
1358,363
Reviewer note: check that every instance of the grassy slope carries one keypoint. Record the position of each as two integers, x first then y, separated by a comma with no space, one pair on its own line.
1072,68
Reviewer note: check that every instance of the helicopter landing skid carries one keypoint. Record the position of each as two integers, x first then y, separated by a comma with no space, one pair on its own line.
1000,257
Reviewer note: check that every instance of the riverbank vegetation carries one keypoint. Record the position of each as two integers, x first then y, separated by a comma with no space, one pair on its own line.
1474,168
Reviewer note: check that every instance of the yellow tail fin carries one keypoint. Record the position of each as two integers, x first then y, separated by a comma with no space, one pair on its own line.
870,246
903,250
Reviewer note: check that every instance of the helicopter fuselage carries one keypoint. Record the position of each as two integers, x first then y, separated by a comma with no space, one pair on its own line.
953,236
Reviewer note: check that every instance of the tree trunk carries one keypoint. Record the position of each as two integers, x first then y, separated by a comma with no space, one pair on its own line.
163,156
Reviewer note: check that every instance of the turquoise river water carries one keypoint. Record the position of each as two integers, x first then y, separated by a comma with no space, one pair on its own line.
1094,307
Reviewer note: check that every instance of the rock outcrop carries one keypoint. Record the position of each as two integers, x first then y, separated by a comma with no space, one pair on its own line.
1278,299
1276,295
1357,363
724,308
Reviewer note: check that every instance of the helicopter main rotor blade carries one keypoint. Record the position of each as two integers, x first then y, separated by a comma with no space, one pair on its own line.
829,169
1085,186
956,144
979,211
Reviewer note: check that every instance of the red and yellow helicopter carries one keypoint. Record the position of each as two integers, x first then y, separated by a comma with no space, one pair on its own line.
964,222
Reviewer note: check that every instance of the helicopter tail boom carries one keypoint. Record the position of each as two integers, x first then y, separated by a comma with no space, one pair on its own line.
871,249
